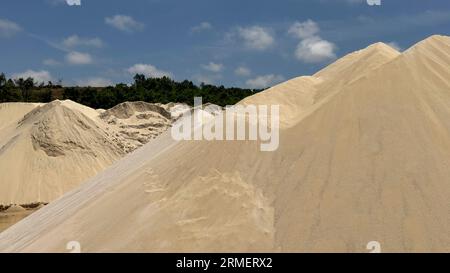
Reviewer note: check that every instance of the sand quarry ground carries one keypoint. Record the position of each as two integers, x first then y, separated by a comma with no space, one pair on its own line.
364,156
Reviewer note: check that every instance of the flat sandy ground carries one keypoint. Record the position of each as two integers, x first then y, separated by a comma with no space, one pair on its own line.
9,219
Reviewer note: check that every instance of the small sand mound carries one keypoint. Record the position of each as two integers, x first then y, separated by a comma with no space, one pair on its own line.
14,209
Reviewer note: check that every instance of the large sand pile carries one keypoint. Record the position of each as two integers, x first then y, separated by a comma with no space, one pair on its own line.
367,161
49,149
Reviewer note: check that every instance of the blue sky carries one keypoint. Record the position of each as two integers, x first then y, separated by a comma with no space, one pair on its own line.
245,43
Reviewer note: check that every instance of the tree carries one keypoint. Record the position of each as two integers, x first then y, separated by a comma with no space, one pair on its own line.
28,85
156,90
25,87
139,80
45,96
2,80
3,88
71,93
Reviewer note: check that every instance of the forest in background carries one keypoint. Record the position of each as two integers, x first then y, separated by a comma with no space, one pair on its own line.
153,90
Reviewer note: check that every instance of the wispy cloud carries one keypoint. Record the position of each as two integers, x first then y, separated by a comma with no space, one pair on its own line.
124,23
242,71
38,76
213,67
264,81
8,28
51,62
77,41
79,58
203,26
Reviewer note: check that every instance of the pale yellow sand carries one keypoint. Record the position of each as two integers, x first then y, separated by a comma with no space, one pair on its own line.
367,158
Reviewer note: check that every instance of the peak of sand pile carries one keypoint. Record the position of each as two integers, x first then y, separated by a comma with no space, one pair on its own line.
358,63
432,42
433,53
368,163
301,95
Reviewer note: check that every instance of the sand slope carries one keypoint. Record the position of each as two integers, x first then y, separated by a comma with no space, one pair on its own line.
370,162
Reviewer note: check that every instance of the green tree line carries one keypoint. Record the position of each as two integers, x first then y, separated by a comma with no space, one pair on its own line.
162,90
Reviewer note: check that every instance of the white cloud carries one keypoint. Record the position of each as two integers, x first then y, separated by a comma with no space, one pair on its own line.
311,48
243,71
75,41
395,46
213,67
203,26
95,82
78,58
8,28
256,37
124,23
304,30
264,81
315,50
148,70
38,76
51,62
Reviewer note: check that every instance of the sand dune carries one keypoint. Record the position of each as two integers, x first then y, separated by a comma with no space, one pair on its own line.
364,157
